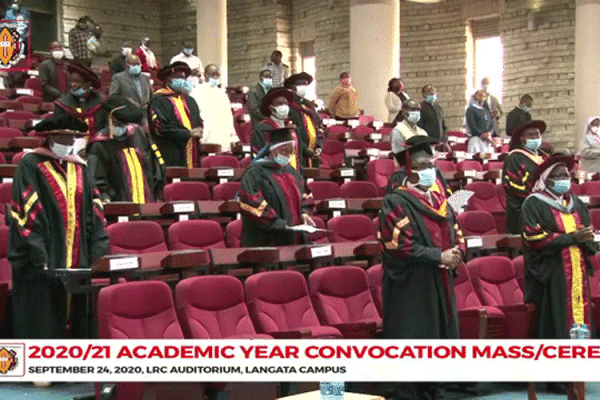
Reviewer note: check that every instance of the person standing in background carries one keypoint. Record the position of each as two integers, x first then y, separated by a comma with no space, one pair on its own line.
133,85
149,61
78,37
343,103
279,70
479,122
589,154
54,80
432,115
519,115
187,56
491,104
257,93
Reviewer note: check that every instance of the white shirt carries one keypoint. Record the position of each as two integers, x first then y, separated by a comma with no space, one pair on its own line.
215,110
192,61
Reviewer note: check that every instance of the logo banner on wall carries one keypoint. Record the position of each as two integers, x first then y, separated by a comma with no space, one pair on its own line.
299,360
15,47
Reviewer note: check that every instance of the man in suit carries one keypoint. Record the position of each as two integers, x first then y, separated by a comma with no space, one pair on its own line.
432,115
54,80
519,115
133,85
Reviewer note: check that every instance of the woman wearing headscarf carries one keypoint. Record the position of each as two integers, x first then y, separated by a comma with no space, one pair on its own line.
272,196
558,240
590,146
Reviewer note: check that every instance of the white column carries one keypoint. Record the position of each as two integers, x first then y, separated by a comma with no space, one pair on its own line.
587,64
211,19
374,51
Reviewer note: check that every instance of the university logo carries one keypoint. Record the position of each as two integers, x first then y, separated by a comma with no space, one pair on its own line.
13,45
8,360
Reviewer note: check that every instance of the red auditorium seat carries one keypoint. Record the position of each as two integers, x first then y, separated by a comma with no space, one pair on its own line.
141,310
519,266
5,198
30,103
5,267
358,189
332,155
445,165
356,145
225,191
492,165
477,223
465,165
17,119
213,307
17,157
276,310
244,132
220,160
335,131
595,217
575,189
196,234
379,172
501,193
383,145
246,161
341,295
459,146
385,131
9,133
136,237
365,119
318,237
189,190
496,285
362,132
486,199
590,188
233,233
324,190
33,83
375,277
471,311
2,159
351,228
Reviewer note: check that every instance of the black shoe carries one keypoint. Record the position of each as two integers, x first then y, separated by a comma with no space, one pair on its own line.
556,387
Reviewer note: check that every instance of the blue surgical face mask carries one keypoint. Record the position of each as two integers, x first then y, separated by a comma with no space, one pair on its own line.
188,51
214,82
178,84
533,144
485,87
267,82
281,112
61,150
525,108
188,86
135,70
119,131
431,98
282,160
79,92
413,116
301,90
562,186
427,177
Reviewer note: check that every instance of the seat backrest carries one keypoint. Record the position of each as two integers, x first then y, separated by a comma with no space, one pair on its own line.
357,144
21,115
590,188
274,309
519,267
469,165
9,133
220,160
5,267
226,190
485,197
212,307
501,193
375,278
362,131
189,190
246,161
463,289
233,233
492,165
336,129
201,234
2,159
17,157
379,171
477,223
341,294
595,217
332,155
384,145
351,228
5,198
244,131
136,237
30,100
137,310
366,119
445,165
32,83
324,190
494,281
358,189
318,237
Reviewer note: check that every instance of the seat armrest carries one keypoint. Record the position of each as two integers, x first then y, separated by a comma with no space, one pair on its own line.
520,319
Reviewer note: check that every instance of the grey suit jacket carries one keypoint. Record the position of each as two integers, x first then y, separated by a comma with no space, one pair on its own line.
123,84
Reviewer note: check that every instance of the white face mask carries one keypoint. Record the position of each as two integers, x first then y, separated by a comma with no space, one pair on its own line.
61,150
57,54
126,51
595,129
301,90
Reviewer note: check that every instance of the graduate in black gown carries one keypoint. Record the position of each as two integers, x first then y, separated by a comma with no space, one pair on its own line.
56,221
121,171
175,122
559,241
519,166
304,116
275,105
272,196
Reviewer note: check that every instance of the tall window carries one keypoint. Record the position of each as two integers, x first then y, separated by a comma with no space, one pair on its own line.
309,65
487,56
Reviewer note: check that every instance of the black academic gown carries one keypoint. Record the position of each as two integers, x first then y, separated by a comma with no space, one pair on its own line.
259,140
515,118
40,228
172,116
271,198
553,260
308,126
153,159
516,173
418,295
119,168
84,109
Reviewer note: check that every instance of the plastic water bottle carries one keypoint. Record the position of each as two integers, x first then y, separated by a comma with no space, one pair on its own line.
332,390
580,331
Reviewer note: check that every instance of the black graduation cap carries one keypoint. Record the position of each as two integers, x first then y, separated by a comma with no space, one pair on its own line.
127,112
279,135
289,82
515,139
272,95
412,144
64,124
567,159
75,66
